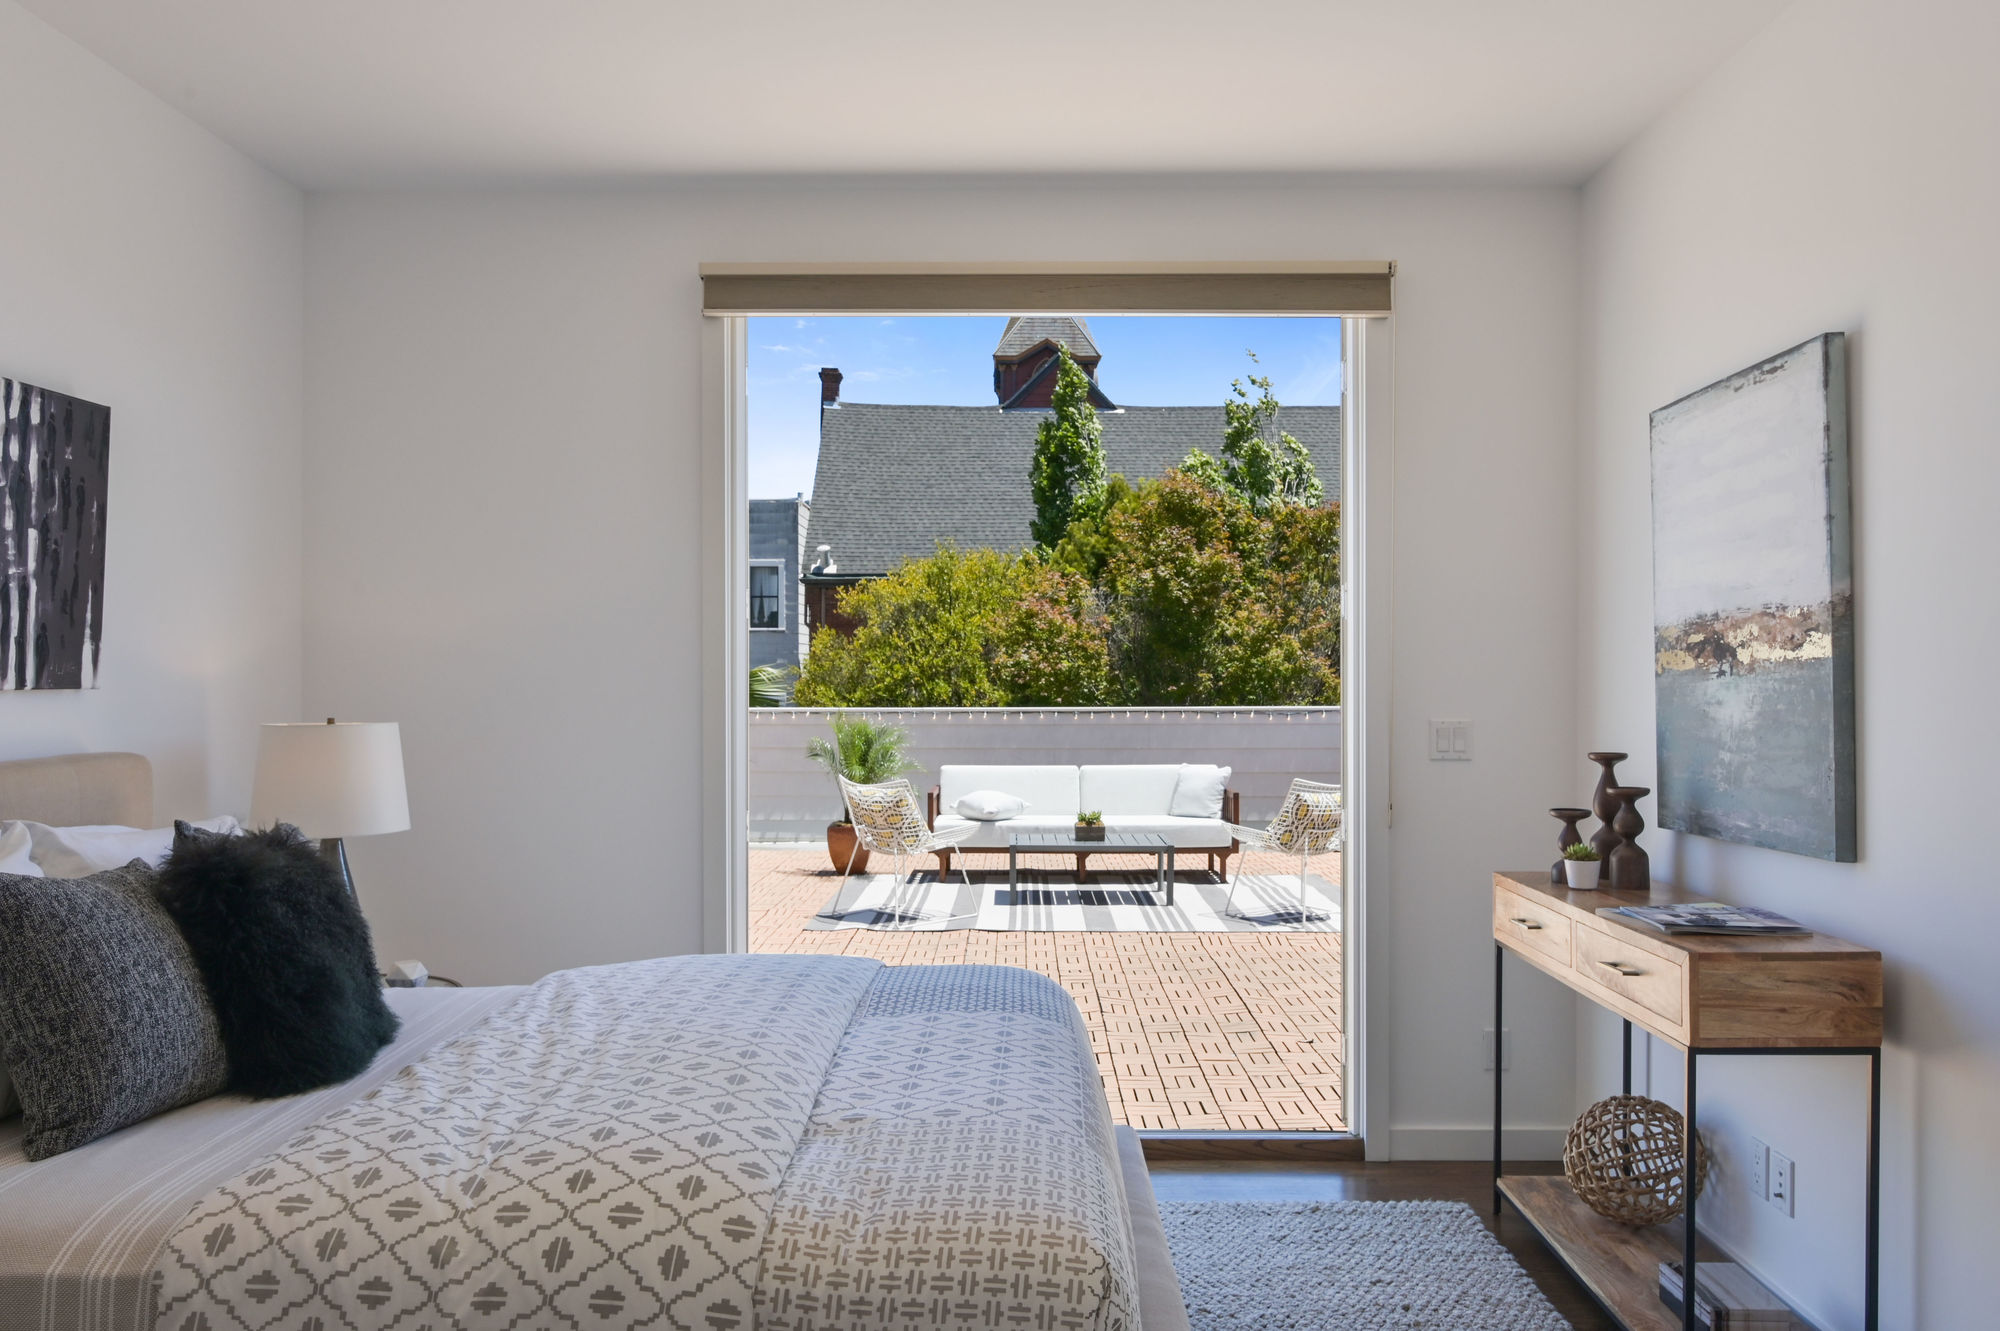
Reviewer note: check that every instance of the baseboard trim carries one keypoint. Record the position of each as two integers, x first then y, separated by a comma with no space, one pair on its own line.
1294,1147
1476,1143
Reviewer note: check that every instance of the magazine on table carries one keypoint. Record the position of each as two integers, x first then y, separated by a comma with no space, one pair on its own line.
1706,917
1727,1298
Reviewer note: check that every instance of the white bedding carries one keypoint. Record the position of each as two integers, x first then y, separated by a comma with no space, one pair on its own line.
79,1232
945,1158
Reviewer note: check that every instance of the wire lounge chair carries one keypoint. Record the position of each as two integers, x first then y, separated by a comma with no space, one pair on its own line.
888,821
1308,824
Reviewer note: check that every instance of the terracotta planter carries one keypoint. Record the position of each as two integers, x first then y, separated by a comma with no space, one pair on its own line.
840,843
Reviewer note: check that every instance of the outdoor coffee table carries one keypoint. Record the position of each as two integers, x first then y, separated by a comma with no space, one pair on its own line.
1061,843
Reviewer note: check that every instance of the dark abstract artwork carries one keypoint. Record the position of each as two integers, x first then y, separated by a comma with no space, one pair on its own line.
54,460
1753,617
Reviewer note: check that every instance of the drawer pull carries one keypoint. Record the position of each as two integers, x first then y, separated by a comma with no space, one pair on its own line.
1623,968
1527,923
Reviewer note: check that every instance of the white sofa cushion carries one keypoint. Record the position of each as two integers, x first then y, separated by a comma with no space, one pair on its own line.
990,806
1181,833
1198,794
1146,788
993,836
1049,791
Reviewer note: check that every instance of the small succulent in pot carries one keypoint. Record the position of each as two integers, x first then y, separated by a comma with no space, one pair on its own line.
1581,866
1090,826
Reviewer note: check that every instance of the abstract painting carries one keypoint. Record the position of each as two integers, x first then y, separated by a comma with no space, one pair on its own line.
54,458
1753,647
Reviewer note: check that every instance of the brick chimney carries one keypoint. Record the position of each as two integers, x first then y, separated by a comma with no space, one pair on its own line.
829,386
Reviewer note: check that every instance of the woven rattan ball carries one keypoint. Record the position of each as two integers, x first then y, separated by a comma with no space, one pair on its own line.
1624,1157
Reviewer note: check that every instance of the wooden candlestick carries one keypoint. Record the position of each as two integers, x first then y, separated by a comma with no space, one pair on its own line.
1630,870
1605,804
1566,838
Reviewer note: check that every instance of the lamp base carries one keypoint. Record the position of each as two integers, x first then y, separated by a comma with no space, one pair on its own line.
334,851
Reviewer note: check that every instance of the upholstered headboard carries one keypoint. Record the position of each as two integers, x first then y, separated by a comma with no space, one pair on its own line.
79,790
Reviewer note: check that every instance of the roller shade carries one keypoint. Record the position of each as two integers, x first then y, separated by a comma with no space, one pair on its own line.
1355,289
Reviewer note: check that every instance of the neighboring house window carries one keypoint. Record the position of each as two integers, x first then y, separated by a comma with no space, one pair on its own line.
767,597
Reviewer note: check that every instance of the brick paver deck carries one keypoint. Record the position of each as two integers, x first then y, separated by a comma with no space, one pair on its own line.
1223,1031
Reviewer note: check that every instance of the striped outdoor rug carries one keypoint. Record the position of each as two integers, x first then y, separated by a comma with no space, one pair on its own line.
1053,902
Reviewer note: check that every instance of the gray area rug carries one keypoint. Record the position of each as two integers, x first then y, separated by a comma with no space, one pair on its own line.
1348,1266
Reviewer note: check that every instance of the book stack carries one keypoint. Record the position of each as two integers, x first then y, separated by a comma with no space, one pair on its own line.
1705,917
1726,1298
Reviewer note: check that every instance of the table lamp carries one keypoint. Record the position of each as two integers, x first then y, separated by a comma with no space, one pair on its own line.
332,781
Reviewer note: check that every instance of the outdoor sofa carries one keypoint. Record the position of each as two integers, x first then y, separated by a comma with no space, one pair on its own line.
1132,797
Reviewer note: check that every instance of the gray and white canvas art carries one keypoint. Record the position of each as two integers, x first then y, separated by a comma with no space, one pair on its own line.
54,463
1753,661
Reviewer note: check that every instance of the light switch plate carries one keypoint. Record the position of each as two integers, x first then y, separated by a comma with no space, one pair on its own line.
1760,1170
1782,1183
1451,740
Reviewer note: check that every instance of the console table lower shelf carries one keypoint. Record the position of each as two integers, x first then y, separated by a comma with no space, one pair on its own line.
1618,1264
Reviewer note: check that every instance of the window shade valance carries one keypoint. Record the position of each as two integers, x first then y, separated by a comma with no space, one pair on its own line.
1353,289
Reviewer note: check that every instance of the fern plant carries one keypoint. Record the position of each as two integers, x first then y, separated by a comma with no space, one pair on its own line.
865,752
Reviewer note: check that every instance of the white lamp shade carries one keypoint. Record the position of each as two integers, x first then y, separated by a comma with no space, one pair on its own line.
340,780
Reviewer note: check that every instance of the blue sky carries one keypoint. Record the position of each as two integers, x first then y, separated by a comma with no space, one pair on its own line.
1148,361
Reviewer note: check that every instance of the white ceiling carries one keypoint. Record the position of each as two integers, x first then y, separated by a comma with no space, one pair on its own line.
338,93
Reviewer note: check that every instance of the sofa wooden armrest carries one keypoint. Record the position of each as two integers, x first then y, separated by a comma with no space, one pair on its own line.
931,811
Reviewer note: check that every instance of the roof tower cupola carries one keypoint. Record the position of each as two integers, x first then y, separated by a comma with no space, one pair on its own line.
1024,364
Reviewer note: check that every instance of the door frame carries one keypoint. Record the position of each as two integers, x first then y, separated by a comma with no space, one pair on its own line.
1367,630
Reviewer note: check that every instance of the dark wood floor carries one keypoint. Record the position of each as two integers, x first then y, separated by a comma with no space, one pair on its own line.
1403,1181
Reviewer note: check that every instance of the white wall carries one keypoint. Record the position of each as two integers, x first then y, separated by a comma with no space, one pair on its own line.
146,266
503,435
1842,172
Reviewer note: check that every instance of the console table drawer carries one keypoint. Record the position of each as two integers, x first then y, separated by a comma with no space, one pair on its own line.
1536,928
1655,983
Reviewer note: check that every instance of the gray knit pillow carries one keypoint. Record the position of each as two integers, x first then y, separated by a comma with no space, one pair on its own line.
103,1017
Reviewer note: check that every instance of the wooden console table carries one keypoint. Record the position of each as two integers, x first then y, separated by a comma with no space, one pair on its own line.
1703,994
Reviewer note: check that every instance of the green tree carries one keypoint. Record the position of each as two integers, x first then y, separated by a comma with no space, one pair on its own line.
1214,604
1262,474
1085,548
1067,474
963,628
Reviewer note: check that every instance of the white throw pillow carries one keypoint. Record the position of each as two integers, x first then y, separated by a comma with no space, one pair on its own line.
15,851
1198,794
990,806
78,852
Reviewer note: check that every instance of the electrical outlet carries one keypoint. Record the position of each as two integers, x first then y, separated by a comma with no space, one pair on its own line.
1760,1170
1506,1049
1782,1183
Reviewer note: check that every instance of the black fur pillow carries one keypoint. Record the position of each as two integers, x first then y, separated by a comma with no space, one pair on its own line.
285,955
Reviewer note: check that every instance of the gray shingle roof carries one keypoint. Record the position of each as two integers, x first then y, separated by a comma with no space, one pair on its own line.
895,480
1024,331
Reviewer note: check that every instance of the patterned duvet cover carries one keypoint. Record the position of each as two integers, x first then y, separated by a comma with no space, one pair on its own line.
722,1143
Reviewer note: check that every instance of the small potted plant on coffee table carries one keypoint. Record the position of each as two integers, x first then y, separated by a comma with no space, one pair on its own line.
1581,866
1090,826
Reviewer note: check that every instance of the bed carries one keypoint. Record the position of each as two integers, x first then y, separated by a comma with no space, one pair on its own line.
774,1142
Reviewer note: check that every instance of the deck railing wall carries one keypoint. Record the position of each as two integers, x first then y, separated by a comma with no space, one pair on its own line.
792,798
